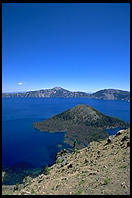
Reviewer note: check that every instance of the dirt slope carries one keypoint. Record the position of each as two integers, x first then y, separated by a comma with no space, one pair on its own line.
99,169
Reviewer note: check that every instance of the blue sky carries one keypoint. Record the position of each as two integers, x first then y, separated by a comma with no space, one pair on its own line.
81,46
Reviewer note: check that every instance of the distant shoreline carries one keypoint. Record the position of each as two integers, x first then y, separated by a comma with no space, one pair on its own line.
58,92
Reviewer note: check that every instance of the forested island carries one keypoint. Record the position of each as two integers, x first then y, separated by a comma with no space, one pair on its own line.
83,123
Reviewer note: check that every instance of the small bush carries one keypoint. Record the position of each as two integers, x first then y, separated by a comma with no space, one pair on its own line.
81,182
123,166
74,145
75,150
83,174
47,170
58,161
32,191
106,180
78,192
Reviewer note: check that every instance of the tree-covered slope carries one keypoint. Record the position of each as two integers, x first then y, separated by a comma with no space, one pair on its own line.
82,122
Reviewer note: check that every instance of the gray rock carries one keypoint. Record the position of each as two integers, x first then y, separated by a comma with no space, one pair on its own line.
40,180
124,138
64,162
118,133
91,161
41,176
69,166
63,153
61,158
128,143
86,160
16,187
110,139
98,156
93,173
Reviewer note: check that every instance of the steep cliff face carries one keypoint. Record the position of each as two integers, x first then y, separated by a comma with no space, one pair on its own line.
102,168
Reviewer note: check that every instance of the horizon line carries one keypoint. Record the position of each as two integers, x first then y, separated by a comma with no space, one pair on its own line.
90,92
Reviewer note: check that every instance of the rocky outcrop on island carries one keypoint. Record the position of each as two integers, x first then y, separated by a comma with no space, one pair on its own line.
102,168
83,123
58,92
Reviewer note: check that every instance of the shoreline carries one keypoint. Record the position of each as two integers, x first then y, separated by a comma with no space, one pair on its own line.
97,147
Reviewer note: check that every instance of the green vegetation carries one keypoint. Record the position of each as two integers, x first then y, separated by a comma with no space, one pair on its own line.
116,160
79,192
47,170
86,122
123,166
74,146
84,174
58,161
82,182
107,180
107,170
78,177
26,179
32,191
76,150
16,186
80,115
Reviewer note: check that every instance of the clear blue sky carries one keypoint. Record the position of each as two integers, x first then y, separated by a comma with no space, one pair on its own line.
79,46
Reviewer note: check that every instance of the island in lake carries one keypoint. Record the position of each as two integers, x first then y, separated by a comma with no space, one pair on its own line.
83,123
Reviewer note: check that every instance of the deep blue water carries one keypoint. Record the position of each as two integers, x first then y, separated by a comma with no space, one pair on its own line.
22,143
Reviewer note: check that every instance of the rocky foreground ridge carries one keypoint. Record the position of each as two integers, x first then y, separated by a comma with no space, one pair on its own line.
102,168
58,92
83,123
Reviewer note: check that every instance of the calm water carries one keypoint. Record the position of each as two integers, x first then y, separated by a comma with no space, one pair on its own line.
22,143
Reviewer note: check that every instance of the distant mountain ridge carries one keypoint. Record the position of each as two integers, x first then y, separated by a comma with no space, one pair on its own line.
112,94
58,92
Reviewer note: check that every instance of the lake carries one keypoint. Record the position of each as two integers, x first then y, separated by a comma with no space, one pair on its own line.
21,143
